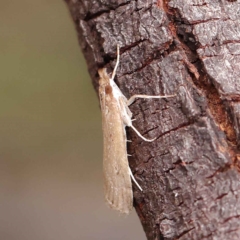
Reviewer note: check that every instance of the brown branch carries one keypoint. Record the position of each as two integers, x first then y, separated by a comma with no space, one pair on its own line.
190,174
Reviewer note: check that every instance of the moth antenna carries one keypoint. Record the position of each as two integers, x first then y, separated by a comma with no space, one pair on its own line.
133,178
117,63
133,98
129,155
140,135
128,140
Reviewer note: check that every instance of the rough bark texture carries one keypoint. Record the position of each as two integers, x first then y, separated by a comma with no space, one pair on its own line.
190,174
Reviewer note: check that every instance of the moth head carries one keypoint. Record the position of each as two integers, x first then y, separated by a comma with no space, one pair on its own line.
104,77
104,81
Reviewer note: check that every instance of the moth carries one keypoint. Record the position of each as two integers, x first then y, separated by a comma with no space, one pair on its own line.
116,116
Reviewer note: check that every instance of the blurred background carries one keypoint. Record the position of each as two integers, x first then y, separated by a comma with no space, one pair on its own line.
50,132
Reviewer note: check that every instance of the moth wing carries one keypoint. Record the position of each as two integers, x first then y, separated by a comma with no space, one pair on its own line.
117,180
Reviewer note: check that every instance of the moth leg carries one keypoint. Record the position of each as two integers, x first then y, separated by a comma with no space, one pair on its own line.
117,63
141,136
133,98
133,178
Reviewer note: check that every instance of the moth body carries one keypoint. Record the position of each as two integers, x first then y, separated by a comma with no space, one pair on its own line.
117,179
116,115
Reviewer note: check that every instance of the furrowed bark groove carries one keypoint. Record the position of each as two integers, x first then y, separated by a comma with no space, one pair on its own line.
190,174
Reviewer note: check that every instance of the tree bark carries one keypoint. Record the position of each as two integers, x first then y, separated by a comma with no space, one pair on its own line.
190,174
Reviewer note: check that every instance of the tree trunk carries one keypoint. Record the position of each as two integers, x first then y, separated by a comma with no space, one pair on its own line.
190,174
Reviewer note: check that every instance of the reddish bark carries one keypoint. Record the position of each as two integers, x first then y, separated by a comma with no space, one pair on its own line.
190,174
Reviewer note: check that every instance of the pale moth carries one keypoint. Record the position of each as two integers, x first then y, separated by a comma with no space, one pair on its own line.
115,117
